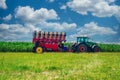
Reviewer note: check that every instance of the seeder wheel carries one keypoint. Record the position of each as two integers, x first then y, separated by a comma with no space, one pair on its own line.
39,50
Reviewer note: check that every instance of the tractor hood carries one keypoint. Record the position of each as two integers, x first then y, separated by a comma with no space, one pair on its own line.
91,43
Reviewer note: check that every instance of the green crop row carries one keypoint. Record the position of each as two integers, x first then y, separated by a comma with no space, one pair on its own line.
27,47
110,47
16,46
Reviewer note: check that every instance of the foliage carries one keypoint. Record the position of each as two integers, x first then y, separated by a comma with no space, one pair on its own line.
16,46
27,47
110,47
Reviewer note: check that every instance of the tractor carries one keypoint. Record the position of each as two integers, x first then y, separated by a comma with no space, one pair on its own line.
84,44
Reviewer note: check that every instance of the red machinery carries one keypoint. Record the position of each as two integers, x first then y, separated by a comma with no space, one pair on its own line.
48,41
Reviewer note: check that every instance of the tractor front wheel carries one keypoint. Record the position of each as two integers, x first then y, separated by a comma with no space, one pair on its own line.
39,50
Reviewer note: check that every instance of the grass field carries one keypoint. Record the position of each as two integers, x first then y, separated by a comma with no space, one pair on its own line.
59,66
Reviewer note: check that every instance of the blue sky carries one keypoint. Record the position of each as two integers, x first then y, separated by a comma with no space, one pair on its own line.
98,19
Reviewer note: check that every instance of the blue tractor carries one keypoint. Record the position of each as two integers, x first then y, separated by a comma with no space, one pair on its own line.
83,44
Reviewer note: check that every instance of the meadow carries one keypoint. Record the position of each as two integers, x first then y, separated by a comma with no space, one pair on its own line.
27,47
59,66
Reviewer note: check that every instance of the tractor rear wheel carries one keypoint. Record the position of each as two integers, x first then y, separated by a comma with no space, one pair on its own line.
96,49
39,50
82,48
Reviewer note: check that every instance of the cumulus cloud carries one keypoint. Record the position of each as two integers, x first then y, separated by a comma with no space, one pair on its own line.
28,14
58,26
110,1
92,29
3,4
63,7
118,16
51,1
8,17
40,18
99,8
16,31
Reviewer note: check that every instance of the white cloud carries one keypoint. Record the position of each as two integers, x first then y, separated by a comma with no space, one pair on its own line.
110,1
8,17
118,16
16,31
51,0
4,27
40,18
99,8
92,29
63,7
58,26
3,4
28,14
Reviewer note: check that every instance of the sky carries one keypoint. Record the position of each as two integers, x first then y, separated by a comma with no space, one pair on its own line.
97,19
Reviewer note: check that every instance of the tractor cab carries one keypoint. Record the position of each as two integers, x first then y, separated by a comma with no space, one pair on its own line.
82,39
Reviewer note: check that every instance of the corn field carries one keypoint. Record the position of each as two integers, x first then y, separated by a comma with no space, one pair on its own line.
16,46
27,47
110,47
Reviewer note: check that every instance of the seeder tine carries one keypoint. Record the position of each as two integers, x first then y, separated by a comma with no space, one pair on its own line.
39,34
34,34
59,35
54,36
46,35
50,35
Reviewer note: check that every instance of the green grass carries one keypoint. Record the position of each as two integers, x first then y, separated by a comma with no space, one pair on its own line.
59,66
